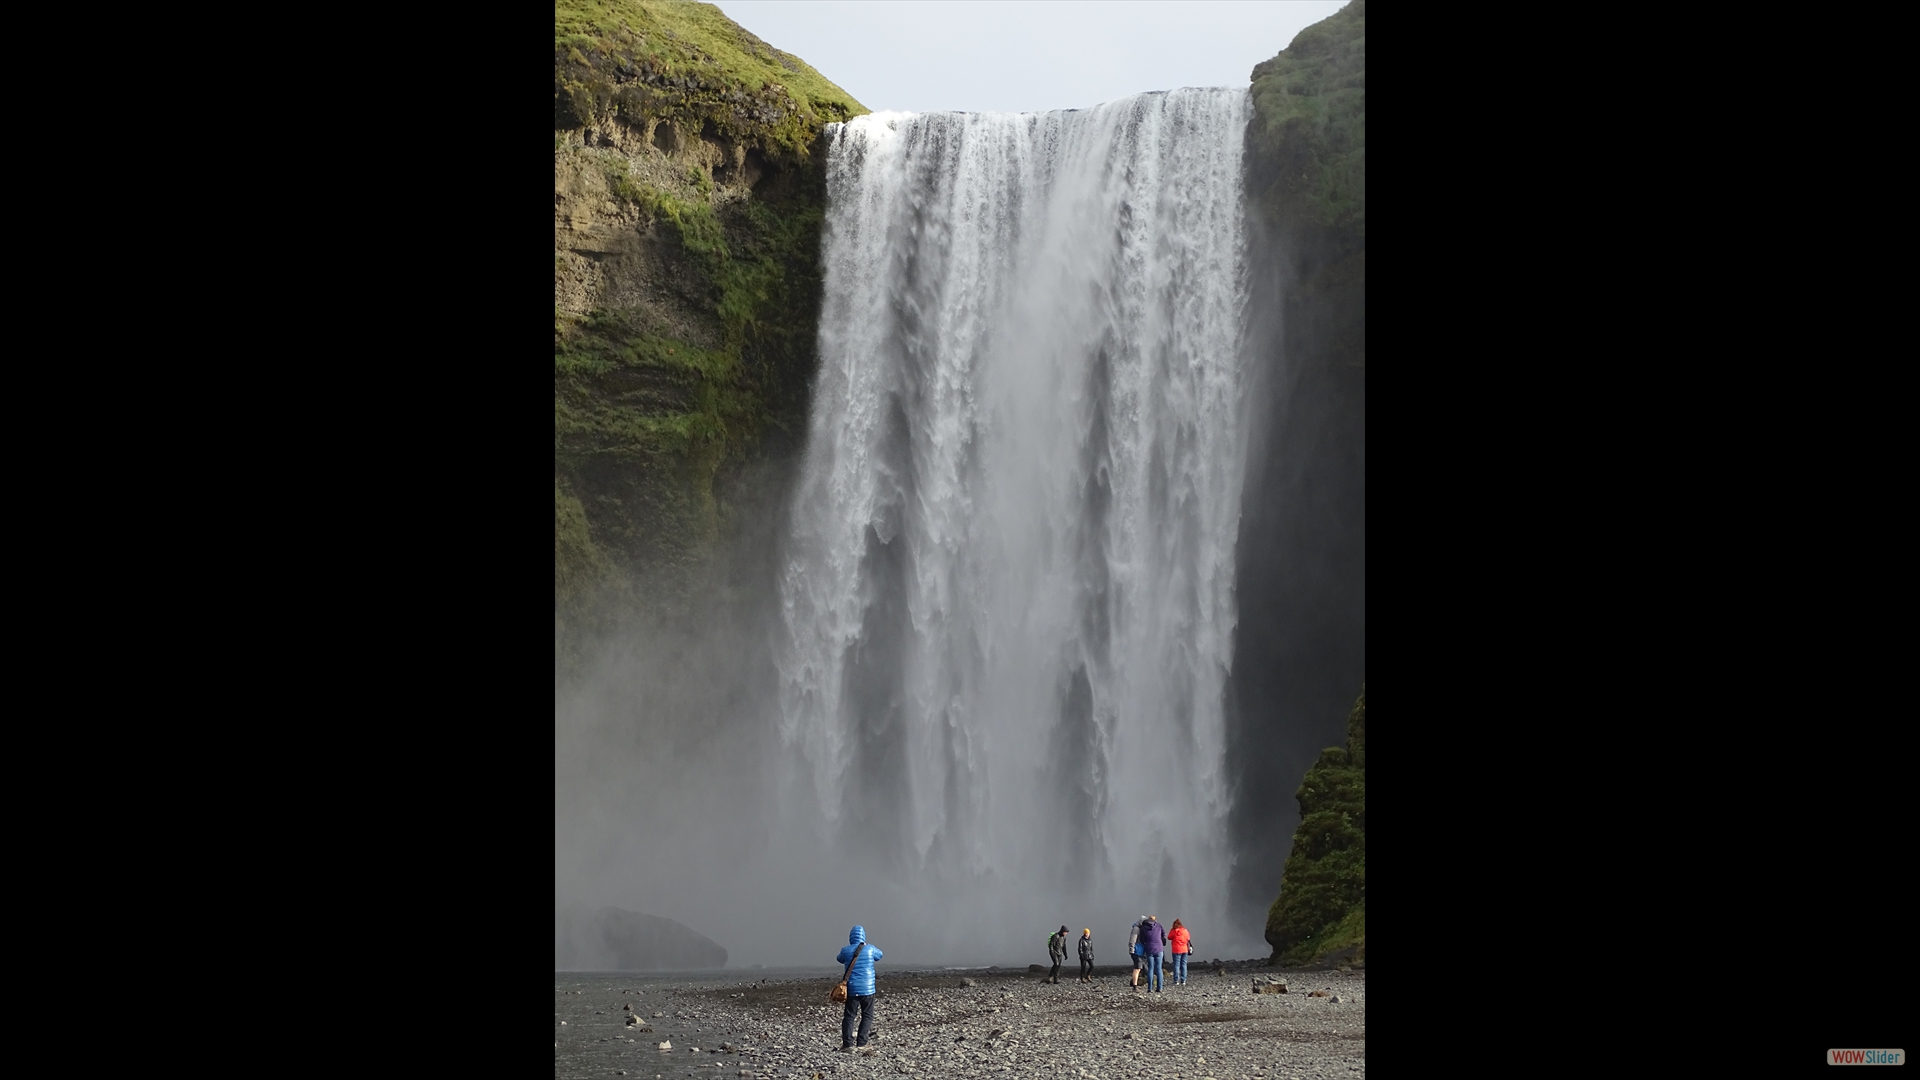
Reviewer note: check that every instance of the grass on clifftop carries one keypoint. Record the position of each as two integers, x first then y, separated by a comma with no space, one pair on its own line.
1309,134
665,57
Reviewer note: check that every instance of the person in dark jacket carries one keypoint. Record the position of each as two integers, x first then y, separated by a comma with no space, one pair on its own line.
1133,948
860,986
1086,955
1153,939
1057,952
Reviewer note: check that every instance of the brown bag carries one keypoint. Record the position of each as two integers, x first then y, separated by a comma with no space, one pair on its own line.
839,993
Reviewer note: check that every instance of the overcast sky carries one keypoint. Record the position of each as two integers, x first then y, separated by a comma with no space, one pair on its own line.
1025,55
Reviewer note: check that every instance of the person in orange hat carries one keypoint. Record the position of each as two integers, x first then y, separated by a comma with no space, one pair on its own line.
1086,955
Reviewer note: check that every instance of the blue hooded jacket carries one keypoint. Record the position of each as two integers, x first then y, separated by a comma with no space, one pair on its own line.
1153,938
860,983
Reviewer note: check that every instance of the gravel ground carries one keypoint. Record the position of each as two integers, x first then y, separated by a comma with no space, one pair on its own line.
926,1024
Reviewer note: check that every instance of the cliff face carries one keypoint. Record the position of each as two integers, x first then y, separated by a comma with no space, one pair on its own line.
1322,907
1300,644
688,201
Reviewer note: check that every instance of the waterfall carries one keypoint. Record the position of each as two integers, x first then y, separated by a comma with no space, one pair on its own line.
1007,594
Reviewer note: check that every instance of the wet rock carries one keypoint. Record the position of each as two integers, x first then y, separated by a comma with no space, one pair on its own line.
1320,993
664,1044
628,940
966,982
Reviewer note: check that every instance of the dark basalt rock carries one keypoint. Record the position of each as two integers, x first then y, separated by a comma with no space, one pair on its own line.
614,939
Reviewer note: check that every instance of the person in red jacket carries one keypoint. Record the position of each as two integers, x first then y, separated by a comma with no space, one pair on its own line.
1182,943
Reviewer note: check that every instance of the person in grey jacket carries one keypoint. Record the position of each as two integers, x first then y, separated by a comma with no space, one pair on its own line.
1057,952
860,986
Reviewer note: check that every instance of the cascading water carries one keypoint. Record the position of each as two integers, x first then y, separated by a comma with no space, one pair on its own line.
1008,593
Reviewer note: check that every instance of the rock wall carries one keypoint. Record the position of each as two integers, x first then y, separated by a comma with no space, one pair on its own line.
1300,644
688,199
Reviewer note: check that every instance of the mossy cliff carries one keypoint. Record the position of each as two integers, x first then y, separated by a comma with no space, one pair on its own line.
1300,642
688,200
1321,912
1307,167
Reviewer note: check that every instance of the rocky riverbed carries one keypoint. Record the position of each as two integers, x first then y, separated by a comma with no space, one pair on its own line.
960,1024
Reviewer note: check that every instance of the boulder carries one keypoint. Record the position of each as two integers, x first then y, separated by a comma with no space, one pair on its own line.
614,939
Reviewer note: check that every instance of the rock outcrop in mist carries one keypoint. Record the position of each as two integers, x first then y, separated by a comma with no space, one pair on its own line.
614,939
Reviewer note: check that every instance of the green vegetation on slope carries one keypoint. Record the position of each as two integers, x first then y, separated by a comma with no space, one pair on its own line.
1322,907
1307,175
644,60
689,198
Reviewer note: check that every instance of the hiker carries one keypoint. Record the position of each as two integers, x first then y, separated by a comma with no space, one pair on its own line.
1134,947
1152,941
859,956
1057,952
1182,943
1086,955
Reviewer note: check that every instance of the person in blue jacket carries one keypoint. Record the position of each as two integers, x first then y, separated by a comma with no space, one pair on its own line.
860,988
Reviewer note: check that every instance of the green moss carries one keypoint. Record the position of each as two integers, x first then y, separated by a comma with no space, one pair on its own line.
667,416
1307,178
1308,136
1323,889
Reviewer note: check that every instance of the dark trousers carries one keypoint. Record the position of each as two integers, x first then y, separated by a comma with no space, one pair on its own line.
1054,975
1086,968
863,1002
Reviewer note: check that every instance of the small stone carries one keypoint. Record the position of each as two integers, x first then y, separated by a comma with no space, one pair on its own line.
664,1044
